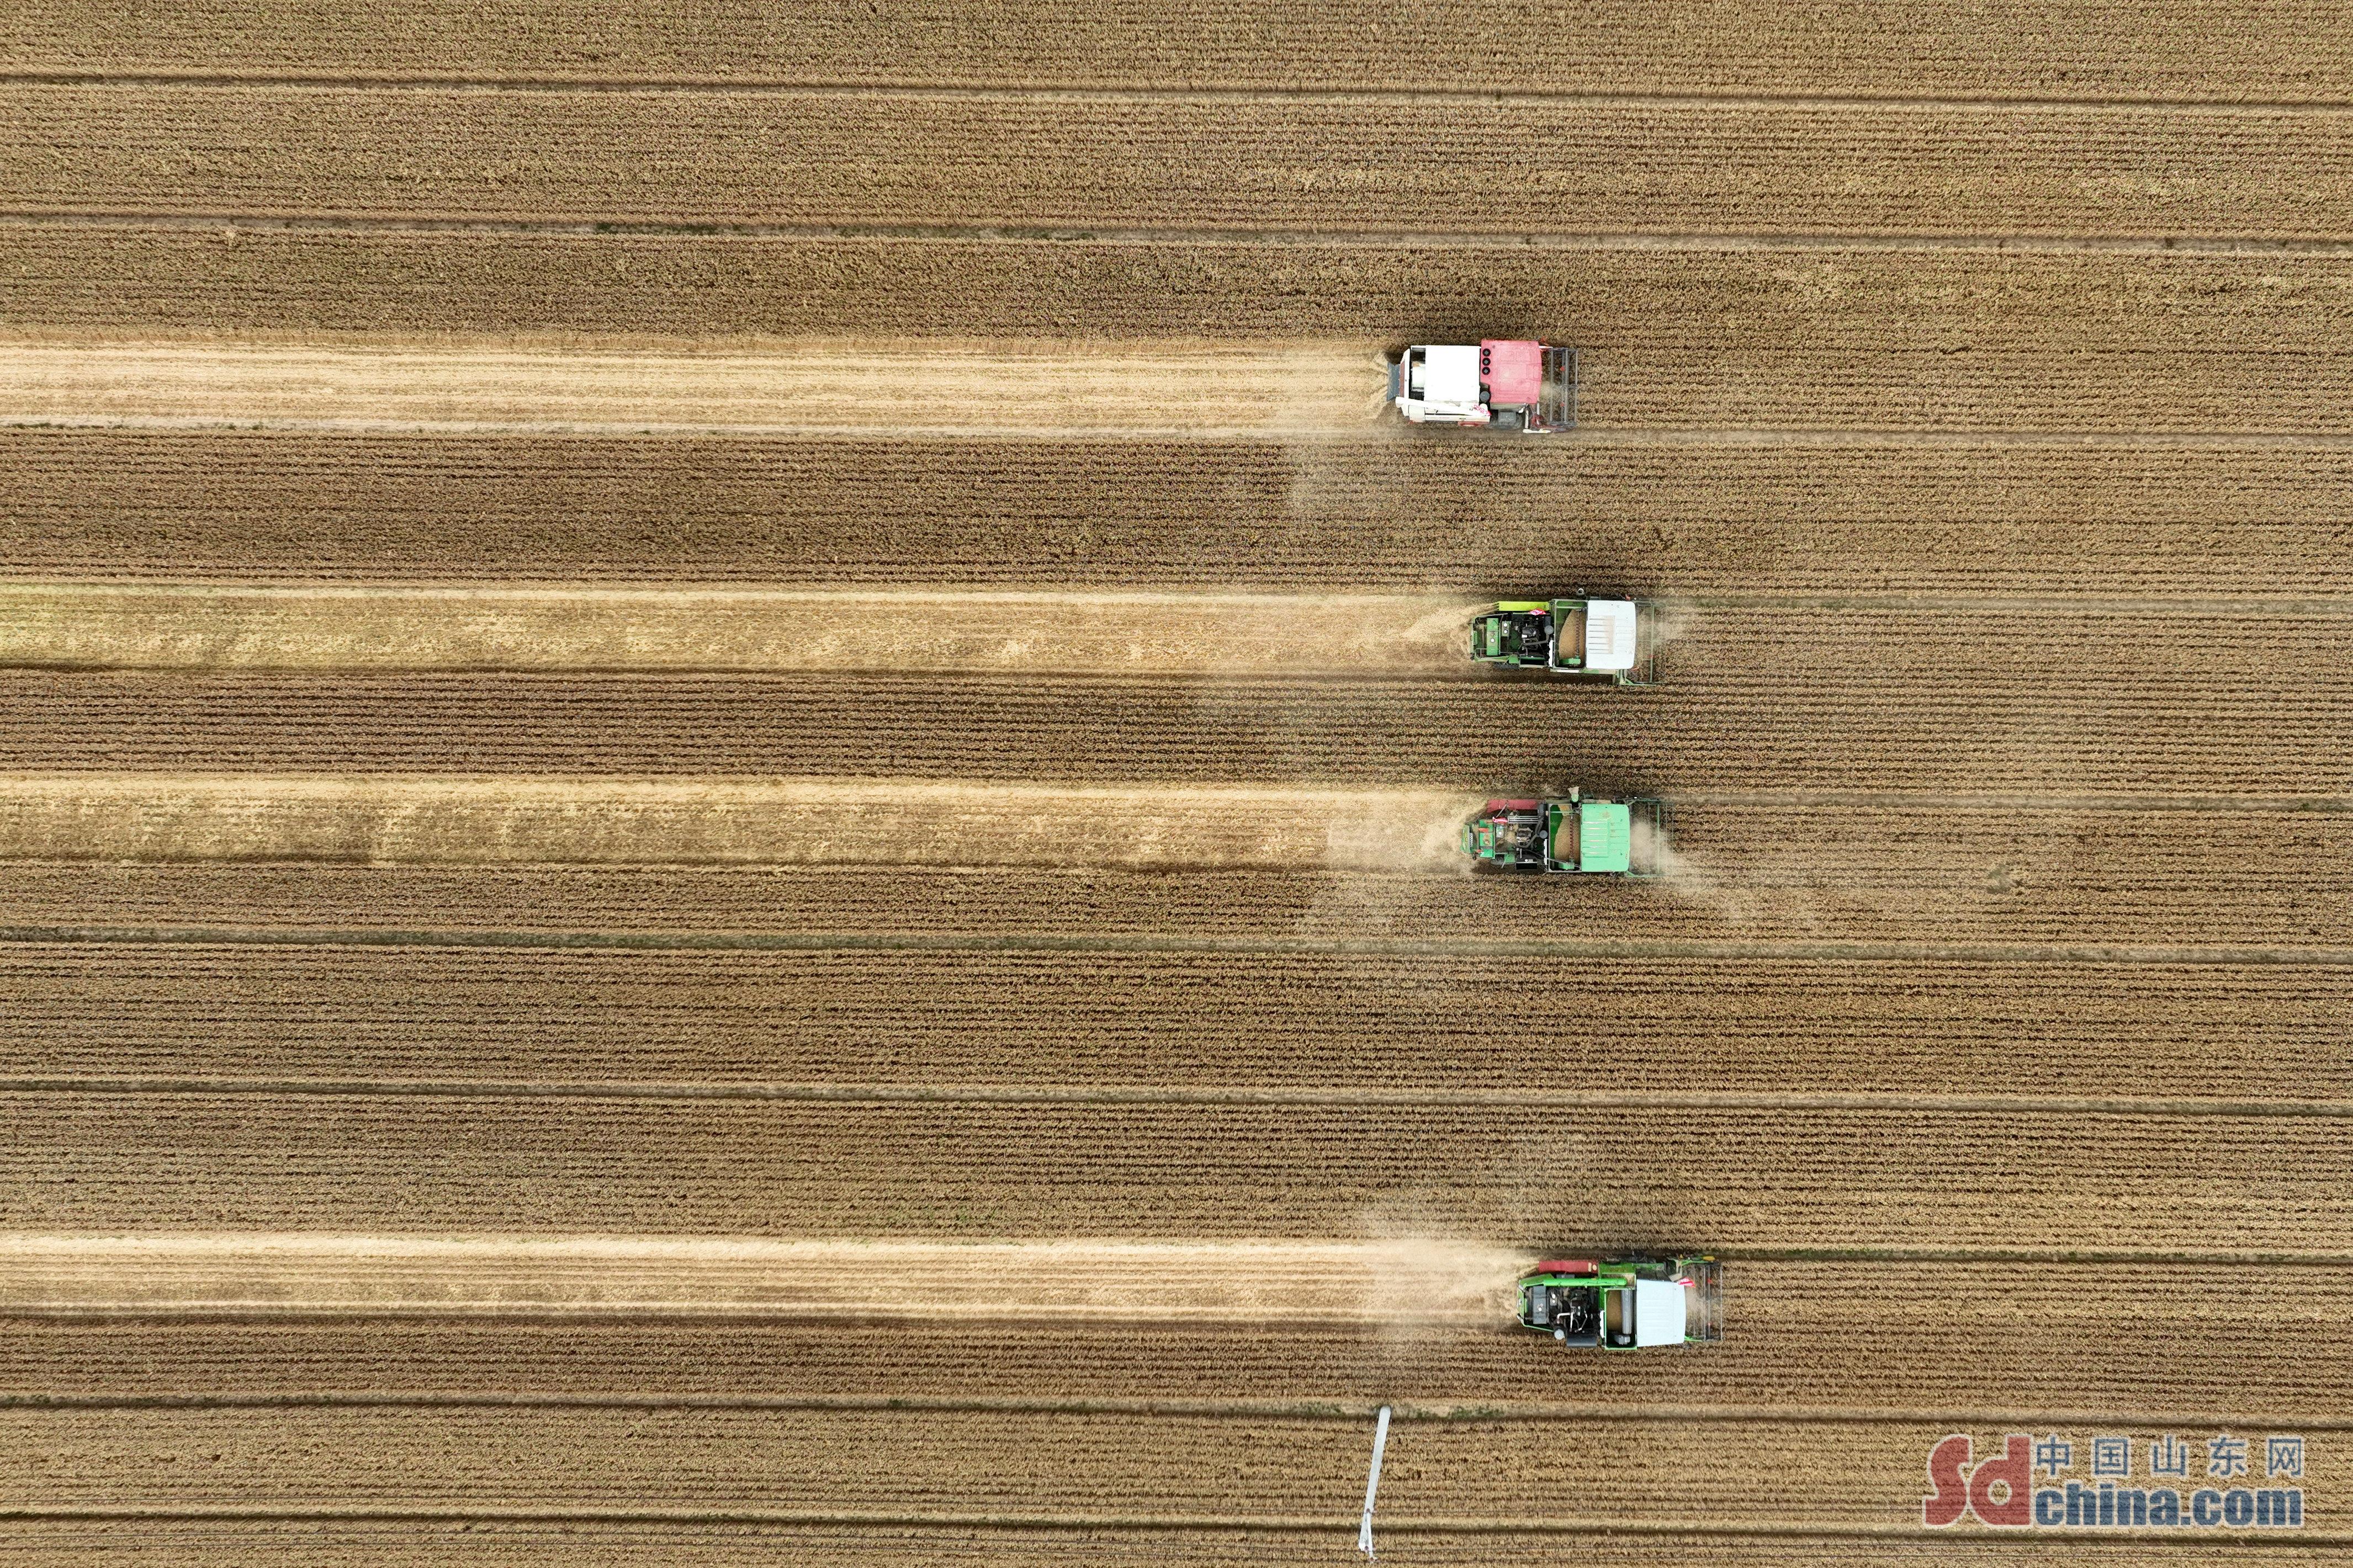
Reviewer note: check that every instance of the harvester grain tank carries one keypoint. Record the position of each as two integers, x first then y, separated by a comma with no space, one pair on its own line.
1612,838
1496,385
1628,1303
1615,638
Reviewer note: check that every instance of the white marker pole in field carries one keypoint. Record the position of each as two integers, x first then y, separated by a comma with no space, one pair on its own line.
1373,1482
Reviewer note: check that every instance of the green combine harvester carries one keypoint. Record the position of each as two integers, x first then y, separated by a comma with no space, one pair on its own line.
1628,1303
1610,837
1615,639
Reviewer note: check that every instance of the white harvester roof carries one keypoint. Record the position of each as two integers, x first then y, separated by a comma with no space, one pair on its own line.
1658,1312
1449,375
1609,634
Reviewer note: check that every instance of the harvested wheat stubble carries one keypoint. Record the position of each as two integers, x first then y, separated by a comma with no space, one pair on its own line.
2019,1179
1777,517
909,1464
555,628
2038,706
1889,1338
1299,1026
1112,160
479,820
2168,49
1141,387
1361,1282
1939,874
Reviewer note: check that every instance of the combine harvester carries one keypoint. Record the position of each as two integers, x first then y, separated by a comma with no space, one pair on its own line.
1496,385
1616,637
1628,1303
1612,837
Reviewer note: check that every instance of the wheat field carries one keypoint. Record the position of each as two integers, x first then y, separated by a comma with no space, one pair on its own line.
729,740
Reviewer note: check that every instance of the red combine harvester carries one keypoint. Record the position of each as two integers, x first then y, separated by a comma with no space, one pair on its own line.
1497,385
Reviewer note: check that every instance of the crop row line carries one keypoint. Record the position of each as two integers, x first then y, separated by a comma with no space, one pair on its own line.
1342,1412
1074,1523
2085,1106
1036,434
1113,941
1272,96
425,595
1767,240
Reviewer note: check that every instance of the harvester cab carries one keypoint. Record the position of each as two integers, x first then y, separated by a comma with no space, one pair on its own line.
1497,383
1612,638
1628,1303
1616,837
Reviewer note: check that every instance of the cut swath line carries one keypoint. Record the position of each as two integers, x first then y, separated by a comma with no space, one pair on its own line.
1604,1527
249,1274
1416,1097
1272,96
490,820
679,629
1350,1413
1113,388
1321,238
554,940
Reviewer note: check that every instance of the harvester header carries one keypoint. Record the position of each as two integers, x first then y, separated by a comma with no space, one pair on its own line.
1615,838
1628,1303
1497,383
